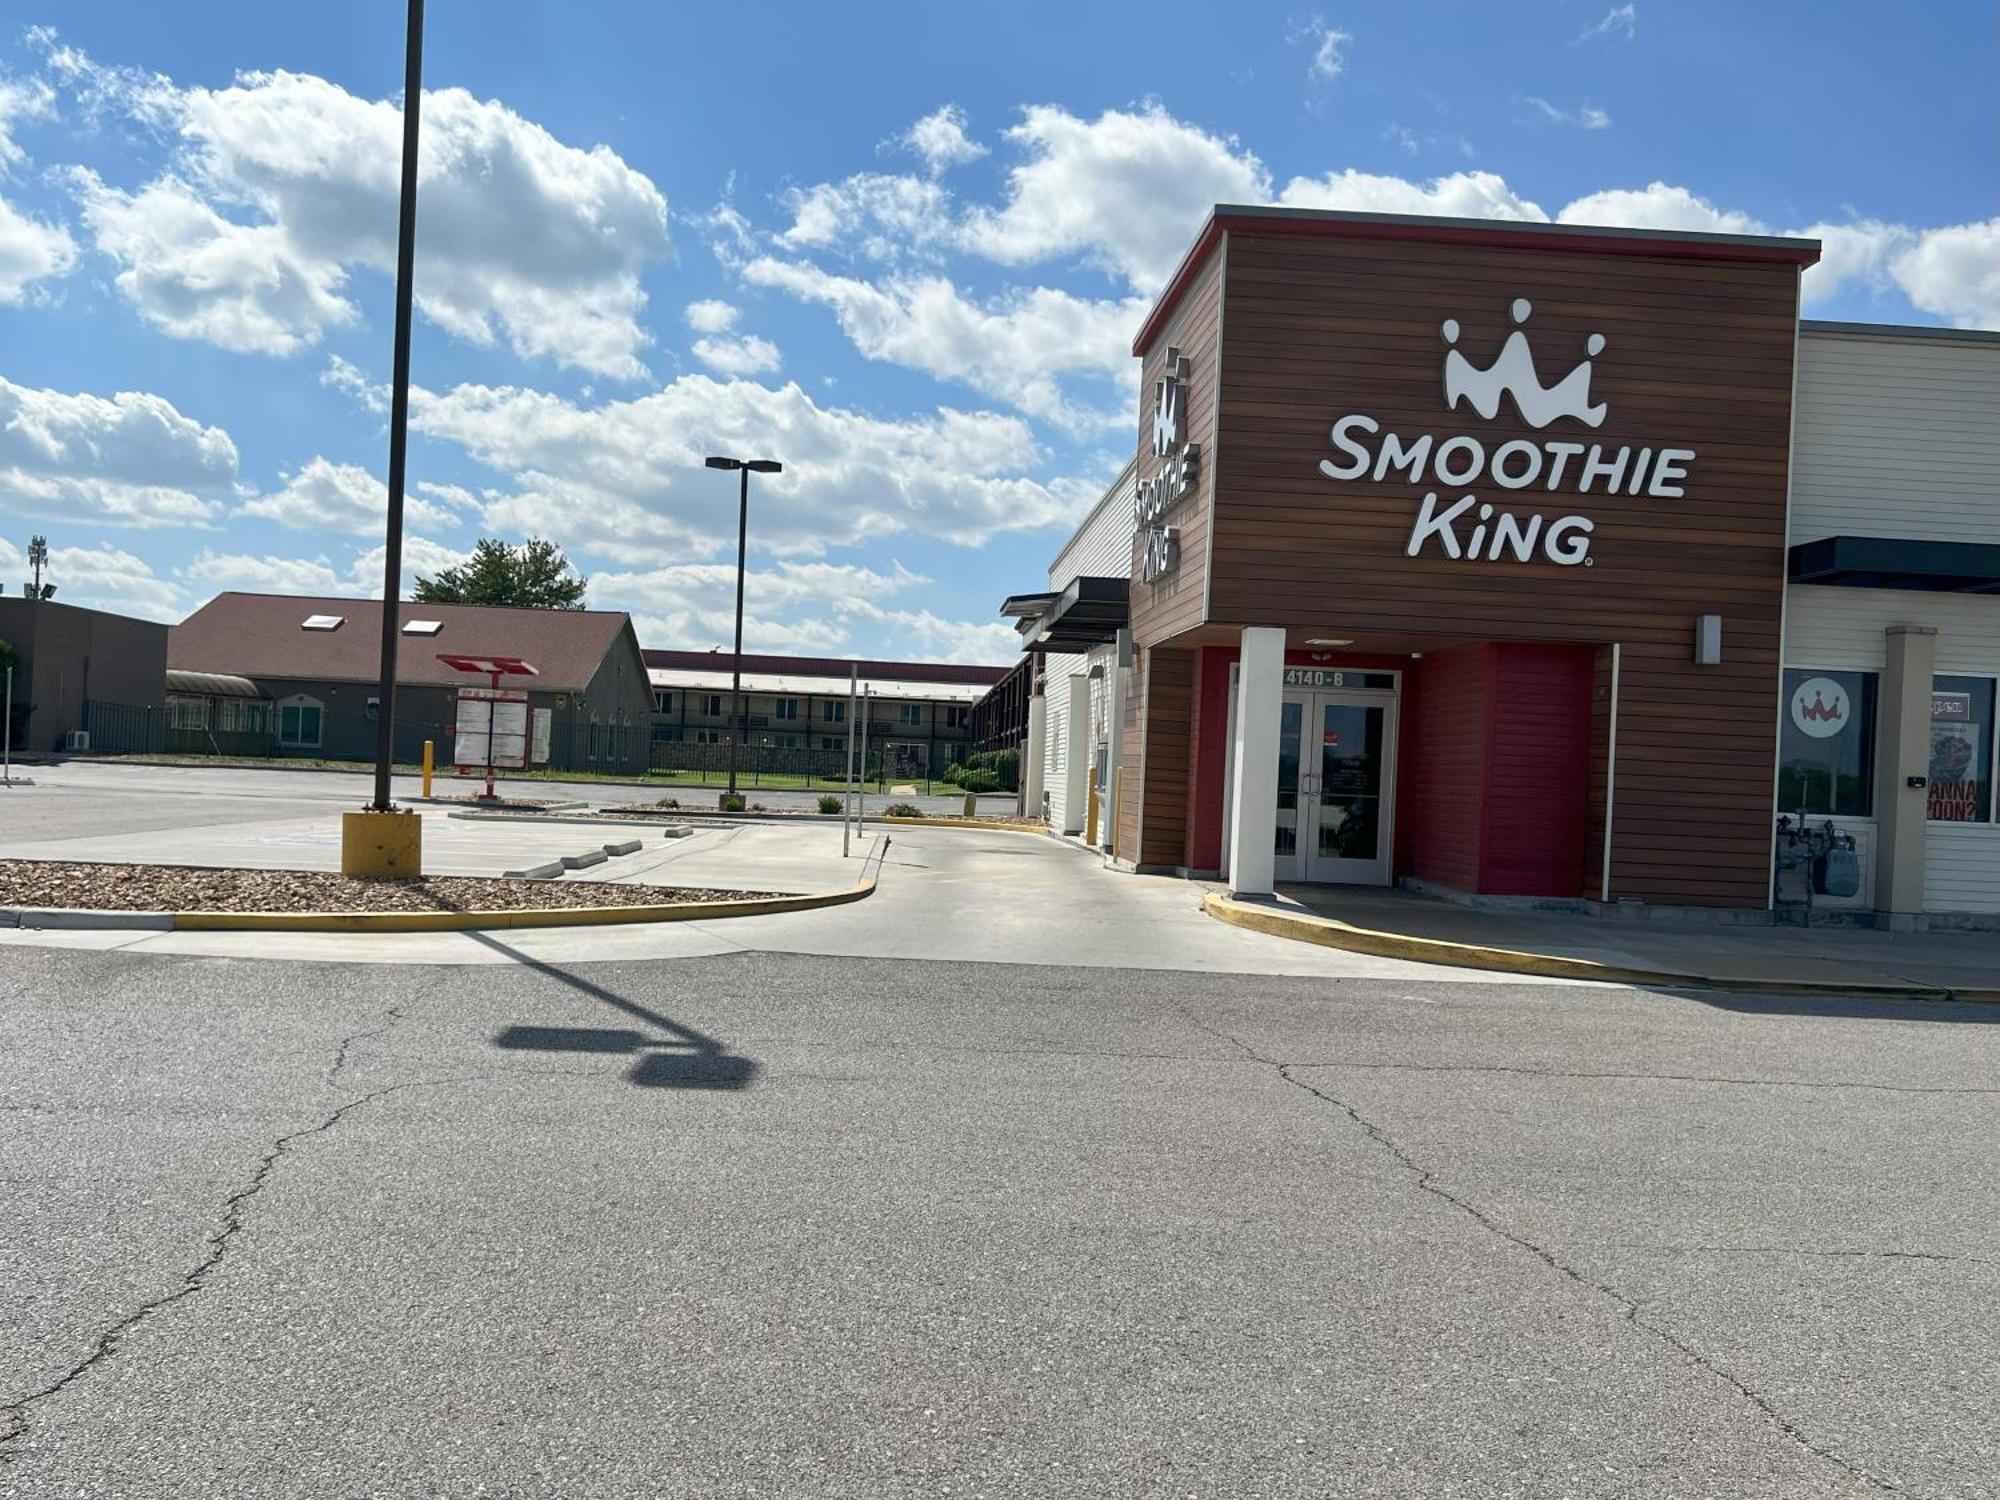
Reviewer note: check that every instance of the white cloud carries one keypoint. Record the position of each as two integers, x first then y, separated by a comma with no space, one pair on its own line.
738,354
422,557
326,496
343,375
283,182
1328,60
30,252
1403,136
21,99
1013,349
130,460
1620,20
1857,253
1585,117
882,216
795,606
940,138
212,573
710,315
1470,195
109,578
921,635
1955,273
1127,190
194,274
625,480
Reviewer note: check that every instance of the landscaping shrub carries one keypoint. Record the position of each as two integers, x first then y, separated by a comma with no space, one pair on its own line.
951,773
1004,764
731,802
829,804
902,810
979,780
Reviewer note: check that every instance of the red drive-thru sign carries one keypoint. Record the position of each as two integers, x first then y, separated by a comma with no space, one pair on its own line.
492,728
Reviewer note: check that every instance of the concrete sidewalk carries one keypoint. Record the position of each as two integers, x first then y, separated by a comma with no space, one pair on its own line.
1962,964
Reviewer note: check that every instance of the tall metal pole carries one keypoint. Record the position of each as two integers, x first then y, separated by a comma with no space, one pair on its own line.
399,404
861,787
7,729
847,792
736,677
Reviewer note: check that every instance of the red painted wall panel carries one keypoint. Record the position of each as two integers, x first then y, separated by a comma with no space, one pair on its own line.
1207,790
1441,799
1538,771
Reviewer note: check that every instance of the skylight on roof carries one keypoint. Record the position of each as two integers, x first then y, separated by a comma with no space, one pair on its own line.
422,627
322,622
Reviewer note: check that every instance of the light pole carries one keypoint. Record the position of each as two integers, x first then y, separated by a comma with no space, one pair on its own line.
744,467
399,406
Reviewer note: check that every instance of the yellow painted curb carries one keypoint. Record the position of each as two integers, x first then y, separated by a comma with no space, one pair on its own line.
468,921
1330,933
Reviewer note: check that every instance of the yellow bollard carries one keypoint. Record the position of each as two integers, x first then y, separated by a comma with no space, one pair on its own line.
430,752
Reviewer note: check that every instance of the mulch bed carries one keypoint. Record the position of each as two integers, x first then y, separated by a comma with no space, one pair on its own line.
38,882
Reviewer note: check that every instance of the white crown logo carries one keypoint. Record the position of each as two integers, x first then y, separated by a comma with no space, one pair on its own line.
1513,373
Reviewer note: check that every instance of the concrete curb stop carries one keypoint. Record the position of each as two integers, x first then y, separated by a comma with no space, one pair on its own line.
80,917
553,870
625,846
1328,932
584,860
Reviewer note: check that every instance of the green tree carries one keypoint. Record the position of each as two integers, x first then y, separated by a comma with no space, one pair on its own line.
534,575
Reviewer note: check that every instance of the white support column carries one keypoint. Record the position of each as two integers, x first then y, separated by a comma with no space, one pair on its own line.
1118,683
1034,753
1903,754
1076,770
1253,789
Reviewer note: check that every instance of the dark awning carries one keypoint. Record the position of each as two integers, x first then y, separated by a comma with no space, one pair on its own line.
1883,562
1026,606
1090,612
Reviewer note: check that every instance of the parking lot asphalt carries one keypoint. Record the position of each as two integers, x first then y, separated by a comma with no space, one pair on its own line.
794,1225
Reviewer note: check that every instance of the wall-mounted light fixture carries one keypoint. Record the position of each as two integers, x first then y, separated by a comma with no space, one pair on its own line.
1325,641
1708,640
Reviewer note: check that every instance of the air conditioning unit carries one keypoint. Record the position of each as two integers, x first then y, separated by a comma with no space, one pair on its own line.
77,739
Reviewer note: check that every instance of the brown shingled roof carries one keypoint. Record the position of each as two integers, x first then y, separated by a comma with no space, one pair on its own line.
259,635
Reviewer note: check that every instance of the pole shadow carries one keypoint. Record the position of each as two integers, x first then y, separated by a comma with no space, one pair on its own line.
670,1055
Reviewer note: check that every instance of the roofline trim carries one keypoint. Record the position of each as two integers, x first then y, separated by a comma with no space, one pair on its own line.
1511,234
1827,327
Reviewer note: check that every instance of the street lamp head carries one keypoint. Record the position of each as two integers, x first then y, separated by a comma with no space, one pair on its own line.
765,466
723,463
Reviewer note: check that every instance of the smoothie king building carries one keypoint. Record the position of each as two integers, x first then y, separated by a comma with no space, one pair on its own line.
1532,561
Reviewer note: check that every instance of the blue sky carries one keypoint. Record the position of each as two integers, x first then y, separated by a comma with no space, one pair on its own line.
900,247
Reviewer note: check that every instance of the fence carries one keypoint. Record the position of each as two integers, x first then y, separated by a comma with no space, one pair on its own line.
774,765
125,728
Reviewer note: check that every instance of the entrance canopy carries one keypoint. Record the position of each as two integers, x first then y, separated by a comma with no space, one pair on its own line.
1885,562
1090,612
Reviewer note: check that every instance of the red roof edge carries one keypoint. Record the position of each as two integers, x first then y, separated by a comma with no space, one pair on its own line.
1499,234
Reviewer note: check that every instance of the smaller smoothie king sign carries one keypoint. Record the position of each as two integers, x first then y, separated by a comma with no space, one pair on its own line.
1455,516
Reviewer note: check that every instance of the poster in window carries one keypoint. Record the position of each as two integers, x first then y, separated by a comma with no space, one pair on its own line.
1955,759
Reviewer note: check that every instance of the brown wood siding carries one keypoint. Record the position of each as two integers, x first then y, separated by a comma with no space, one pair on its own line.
1176,602
1699,356
1167,732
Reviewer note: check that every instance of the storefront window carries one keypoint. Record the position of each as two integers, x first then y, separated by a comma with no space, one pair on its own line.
1826,744
1961,773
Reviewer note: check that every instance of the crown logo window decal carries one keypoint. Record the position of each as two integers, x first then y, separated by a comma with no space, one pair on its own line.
1554,466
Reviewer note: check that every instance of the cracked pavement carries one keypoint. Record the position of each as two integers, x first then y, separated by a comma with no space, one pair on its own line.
782,1225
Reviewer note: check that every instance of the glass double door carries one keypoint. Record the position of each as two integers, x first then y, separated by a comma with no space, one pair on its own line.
1336,787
